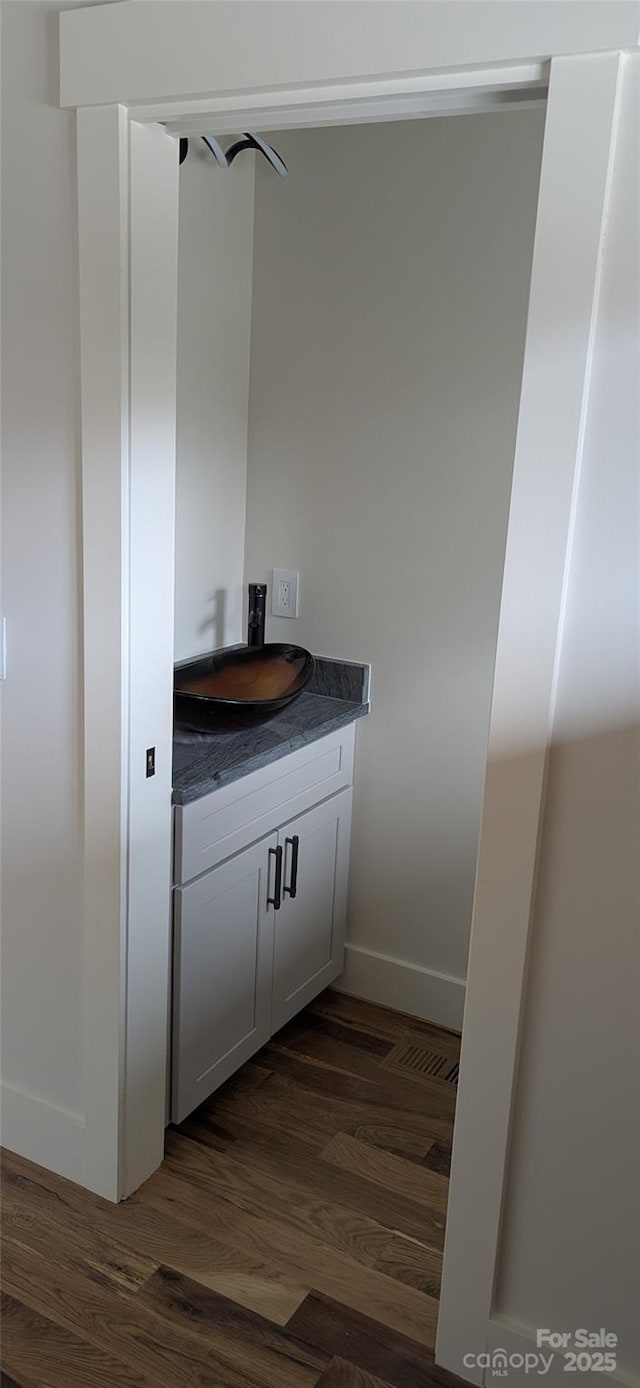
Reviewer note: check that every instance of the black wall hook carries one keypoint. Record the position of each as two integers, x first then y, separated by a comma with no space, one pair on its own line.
254,142
225,158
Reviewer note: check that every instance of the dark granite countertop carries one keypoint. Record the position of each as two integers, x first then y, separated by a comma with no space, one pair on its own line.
337,694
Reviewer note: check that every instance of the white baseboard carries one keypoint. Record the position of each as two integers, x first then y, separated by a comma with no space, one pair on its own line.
424,993
43,1133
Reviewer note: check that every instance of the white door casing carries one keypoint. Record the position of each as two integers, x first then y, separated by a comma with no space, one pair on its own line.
574,190
126,56
128,241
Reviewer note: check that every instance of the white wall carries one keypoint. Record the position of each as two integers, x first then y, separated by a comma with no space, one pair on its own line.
390,289
41,729
571,1242
214,324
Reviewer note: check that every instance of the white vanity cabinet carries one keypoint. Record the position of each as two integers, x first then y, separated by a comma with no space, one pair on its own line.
260,931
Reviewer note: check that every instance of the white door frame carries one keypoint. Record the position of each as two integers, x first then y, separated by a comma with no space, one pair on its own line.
128,243
575,178
127,67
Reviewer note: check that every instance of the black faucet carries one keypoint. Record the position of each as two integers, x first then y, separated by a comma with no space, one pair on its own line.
257,604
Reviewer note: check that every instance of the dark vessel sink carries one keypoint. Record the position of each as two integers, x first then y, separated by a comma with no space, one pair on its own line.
246,684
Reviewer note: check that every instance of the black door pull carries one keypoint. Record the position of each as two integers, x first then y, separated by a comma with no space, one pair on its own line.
276,899
293,885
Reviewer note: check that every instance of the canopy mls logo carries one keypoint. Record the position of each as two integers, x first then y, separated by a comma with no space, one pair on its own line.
500,1364
581,1351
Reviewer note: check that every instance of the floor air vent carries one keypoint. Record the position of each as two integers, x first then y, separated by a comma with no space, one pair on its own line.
414,1061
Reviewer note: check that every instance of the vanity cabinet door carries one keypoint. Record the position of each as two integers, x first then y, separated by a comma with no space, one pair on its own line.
223,951
309,927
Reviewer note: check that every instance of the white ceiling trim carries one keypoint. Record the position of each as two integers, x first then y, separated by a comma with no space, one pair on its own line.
178,51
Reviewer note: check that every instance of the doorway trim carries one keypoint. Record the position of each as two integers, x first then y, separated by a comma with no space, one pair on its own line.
122,69
575,182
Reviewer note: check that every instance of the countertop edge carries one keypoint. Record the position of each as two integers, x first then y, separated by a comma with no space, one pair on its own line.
351,713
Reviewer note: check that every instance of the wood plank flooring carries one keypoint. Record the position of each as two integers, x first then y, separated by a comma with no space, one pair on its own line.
291,1239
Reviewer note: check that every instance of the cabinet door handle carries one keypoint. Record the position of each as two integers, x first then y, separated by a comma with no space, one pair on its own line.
293,885
276,899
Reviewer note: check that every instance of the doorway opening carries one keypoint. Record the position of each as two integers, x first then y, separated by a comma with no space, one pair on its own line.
350,347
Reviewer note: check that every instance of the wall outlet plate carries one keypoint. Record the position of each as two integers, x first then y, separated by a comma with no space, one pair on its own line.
285,593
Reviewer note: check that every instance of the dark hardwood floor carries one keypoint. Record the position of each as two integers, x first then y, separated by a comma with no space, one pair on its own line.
292,1238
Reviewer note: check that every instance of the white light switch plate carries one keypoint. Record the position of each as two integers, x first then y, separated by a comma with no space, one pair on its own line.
285,592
